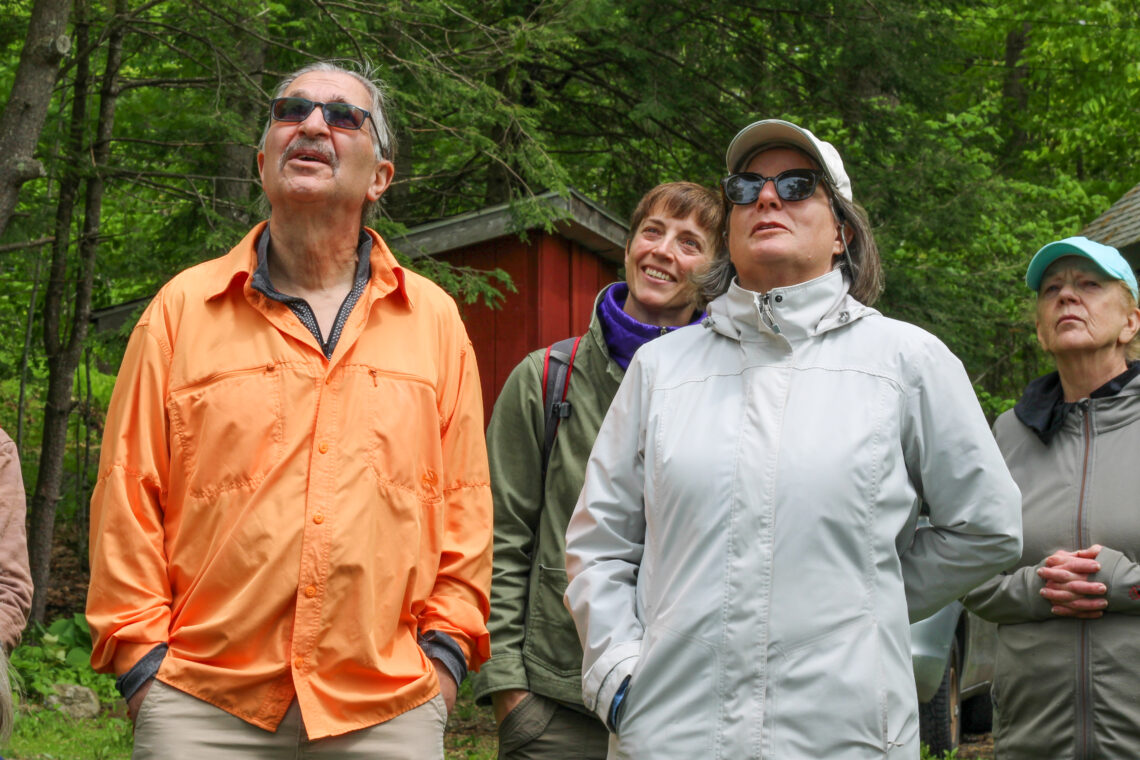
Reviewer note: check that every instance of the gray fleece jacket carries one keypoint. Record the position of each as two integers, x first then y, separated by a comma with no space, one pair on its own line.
1068,689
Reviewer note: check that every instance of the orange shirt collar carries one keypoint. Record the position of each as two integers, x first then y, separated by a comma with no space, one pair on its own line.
237,266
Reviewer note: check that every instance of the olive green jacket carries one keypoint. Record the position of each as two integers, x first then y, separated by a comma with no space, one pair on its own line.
534,644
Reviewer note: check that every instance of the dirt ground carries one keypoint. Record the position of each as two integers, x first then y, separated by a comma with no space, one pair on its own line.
978,747
69,574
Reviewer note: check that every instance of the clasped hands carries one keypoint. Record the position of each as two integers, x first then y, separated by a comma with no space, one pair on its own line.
1067,585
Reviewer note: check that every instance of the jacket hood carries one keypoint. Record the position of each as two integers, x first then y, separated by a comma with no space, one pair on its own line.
794,312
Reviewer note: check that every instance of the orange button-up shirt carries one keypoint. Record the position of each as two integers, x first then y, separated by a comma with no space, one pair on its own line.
288,523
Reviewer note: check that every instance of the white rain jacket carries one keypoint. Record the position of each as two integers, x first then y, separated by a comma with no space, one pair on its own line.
745,544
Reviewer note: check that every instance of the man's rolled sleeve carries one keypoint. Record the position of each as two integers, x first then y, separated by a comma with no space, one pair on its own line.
128,601
459,603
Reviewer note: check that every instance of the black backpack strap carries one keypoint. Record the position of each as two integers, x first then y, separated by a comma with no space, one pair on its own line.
556,369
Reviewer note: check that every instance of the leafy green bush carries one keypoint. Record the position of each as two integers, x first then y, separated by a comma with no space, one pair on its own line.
60,653
927,755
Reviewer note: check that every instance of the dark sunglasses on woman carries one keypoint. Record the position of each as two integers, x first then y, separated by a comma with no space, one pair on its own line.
744,188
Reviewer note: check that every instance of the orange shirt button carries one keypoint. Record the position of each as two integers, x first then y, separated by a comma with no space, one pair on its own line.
429,478
324,447
310,591
298,662
318,518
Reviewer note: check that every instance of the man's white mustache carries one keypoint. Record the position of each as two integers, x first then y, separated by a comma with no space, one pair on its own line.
309,145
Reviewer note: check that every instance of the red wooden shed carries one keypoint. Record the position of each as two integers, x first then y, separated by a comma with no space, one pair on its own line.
557,274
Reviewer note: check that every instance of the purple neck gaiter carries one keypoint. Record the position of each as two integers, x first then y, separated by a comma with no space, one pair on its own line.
624,334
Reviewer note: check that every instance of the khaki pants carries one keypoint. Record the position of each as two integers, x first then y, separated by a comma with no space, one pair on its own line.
172,725
542,729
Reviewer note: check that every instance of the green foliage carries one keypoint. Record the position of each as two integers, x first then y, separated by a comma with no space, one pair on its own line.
60,653
993,405
51,735
498,101
466,284
926,754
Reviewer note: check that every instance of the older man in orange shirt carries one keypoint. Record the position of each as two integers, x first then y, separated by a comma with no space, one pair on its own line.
291,530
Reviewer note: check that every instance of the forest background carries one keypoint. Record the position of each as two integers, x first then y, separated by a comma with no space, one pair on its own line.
974,132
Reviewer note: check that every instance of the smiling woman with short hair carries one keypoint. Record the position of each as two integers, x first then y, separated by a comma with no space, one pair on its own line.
533,679
1069,612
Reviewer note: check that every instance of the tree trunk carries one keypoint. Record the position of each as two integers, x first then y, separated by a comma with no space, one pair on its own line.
503,175
23,116
237,158
1015,95
64,354
57,405
235,172
21,403
82,493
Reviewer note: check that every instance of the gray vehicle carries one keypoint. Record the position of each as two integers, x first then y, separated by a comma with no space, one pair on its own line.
953,652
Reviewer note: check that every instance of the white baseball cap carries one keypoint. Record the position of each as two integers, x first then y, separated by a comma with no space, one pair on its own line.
771,133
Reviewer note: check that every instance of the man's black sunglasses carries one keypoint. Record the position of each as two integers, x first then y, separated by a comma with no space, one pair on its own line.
340,115
793,185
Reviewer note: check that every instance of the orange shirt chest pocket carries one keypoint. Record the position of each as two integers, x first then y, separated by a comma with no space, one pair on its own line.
395,424
227,431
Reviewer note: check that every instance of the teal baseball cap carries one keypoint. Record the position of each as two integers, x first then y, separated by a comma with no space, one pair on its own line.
1107,259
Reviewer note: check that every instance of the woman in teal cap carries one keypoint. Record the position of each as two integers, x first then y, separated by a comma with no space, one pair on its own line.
1068,662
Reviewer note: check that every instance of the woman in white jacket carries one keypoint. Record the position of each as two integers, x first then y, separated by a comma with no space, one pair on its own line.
743,560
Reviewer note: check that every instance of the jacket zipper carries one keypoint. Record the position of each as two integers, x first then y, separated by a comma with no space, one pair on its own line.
1083,708
764,306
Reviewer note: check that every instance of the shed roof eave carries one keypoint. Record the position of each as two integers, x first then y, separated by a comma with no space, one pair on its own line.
579,219
1119,226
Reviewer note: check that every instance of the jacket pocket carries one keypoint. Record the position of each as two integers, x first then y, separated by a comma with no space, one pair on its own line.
525,723
222,444
551,639
829,694
670,708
